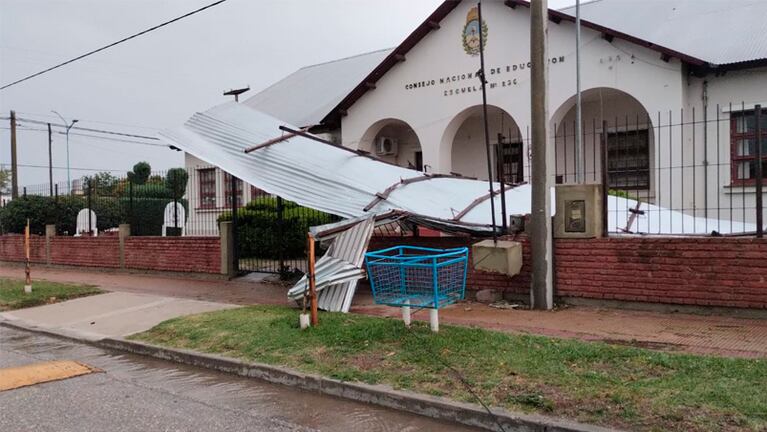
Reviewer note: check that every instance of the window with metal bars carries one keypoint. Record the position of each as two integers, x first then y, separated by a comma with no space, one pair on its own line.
228,190
207,179
743,148
510,155
628,159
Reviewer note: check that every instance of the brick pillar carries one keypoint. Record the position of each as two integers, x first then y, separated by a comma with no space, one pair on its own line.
50,232
123,233
227,249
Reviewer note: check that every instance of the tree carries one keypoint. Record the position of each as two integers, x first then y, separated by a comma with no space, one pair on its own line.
5,178
175,181
103,183
140,173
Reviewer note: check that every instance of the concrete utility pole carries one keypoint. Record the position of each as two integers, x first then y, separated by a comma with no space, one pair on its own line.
14,162
542,289
50,158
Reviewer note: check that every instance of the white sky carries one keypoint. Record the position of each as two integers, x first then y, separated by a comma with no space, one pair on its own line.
158,80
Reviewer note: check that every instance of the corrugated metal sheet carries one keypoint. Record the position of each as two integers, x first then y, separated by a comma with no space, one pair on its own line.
304,97
338,181
332,179
337,272
718,31
652,219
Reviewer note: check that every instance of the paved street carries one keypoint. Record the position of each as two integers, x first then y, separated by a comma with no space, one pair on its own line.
711,334
139,394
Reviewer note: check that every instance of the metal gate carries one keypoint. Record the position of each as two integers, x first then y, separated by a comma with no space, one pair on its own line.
270,234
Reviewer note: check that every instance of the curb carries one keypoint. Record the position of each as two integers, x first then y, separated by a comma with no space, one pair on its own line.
381,395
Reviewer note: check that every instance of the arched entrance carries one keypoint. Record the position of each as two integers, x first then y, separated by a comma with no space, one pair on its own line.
464,139
618,119
394,141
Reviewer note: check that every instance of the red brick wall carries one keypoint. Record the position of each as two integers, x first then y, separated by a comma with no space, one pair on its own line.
86,251
182,254
12,248
703,272
729,272
186,254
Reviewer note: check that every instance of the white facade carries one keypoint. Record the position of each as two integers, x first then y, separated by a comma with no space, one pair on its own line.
203,217
630,87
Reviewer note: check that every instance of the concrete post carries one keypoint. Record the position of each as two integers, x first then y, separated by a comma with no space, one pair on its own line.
227,248
123,233
434,320
50,232
542,289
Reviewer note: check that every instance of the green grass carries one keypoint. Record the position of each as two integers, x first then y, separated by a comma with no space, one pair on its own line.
12,295
591,382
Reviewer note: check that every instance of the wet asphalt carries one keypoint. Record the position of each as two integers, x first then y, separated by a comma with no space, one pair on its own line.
135,393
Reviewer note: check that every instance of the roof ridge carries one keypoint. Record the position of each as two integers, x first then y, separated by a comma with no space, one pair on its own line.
346,58
588,2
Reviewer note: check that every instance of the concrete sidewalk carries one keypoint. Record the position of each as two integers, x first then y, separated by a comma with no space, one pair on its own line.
114,314
709,334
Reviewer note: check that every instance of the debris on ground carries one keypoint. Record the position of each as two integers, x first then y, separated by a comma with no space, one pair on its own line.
504,304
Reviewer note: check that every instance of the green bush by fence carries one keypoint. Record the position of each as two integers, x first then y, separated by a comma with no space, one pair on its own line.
262,234
145,214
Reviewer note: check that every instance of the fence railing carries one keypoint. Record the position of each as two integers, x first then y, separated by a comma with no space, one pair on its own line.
269,232
681,173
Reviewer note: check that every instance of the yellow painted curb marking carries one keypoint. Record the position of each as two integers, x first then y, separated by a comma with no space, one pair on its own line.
22,376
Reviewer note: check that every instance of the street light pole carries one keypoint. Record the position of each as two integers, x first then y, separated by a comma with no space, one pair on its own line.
68,126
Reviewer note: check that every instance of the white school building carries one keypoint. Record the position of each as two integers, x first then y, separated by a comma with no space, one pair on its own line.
668,95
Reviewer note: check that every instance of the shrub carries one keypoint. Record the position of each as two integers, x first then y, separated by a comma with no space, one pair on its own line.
140,173
144,214
175,181
261,234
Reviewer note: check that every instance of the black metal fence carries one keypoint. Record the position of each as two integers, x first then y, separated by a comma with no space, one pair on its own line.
154,205
675,173
269,232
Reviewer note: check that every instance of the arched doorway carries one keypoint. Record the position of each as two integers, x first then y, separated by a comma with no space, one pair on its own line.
394,141
464,139
623,124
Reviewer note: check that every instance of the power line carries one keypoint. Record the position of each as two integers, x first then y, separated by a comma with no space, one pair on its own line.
112,44
73,168
104,131
84,120
31,129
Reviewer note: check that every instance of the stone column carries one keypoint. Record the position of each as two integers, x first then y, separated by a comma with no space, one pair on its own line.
50,232
123,234
227,248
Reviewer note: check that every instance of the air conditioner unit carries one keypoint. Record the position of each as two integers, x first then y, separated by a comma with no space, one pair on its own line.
386,146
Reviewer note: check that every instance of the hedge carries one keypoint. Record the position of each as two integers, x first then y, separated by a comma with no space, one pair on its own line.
261,234
146,217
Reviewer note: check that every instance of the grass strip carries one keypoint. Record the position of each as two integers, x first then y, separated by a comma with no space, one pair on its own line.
12,295
591,382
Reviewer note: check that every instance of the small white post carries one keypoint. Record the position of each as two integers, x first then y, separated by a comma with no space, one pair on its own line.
406,313
434,320
303,320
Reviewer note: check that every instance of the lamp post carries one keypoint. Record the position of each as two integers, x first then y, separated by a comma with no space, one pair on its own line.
68,126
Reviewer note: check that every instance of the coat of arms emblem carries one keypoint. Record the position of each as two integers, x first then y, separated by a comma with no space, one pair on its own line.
471,31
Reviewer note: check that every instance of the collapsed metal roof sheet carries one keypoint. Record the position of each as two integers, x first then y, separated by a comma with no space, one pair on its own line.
337,272
350,184
335,179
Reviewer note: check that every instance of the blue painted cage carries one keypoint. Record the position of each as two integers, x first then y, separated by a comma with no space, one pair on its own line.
417,276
